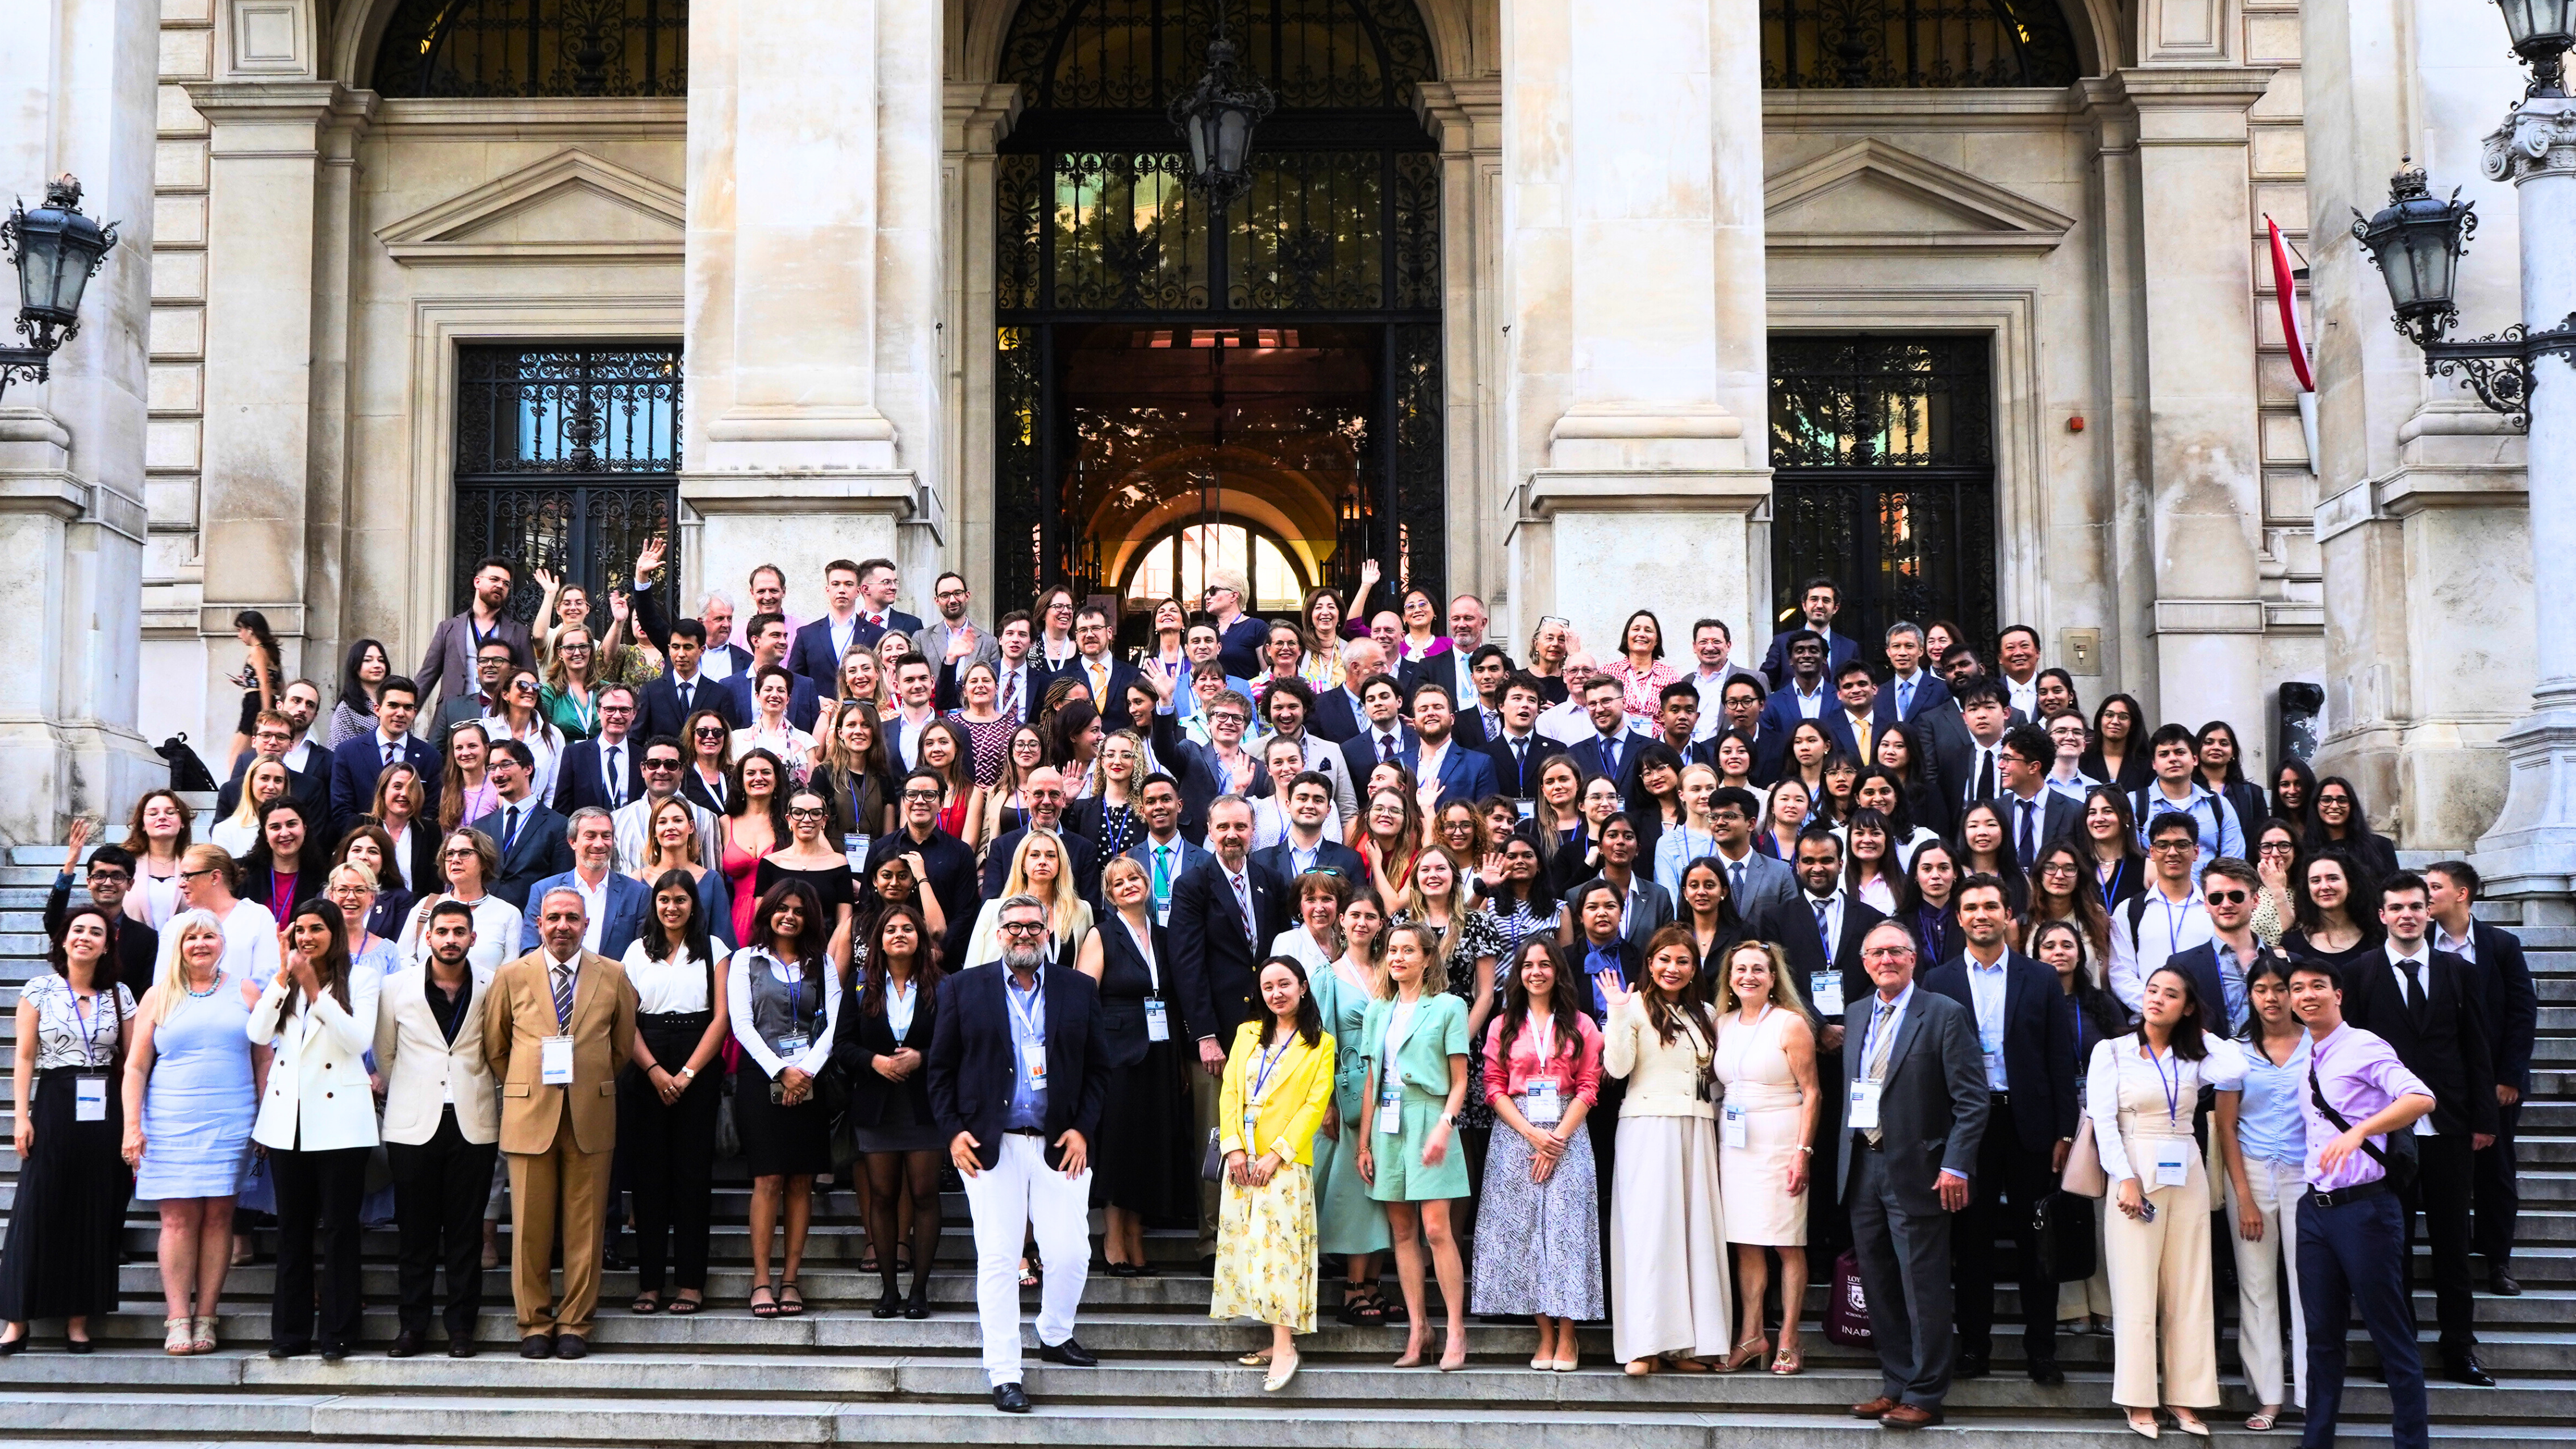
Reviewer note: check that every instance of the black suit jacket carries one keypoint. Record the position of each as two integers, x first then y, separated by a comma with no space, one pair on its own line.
1839,651
811,654
311,788
974,1065
951,863
1794,927
1518,782
1359,753
2058,816
578,781
804,703
658,710
860,1037
539,850
356,764
2447,1045
2039,1046
1588,753
1113,705
1214,965
2507,1002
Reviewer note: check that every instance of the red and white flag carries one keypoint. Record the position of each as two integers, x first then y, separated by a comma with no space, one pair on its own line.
2285,290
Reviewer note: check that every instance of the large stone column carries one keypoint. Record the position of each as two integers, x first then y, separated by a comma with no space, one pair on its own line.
76,95
2201,440
813,426
2531,849
1632,219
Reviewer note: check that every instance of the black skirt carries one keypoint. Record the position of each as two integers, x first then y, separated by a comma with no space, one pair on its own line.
1146,1160
779,1140
61,1256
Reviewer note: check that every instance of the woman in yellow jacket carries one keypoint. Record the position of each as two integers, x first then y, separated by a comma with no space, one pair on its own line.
1278,1086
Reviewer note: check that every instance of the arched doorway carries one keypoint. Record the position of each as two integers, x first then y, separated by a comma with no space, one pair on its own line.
1277,369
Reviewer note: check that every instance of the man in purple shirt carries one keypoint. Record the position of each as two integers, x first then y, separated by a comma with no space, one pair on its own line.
2352,1229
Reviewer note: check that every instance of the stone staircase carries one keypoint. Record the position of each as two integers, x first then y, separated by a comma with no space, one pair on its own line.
839,1375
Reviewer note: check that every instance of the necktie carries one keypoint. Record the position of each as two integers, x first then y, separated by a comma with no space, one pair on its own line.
1735,887
1610,756
688,697
509,828
1162,873
2417,995
2029,836
1823,936
1860,737
563,997
1243,902
1520,764
389,752
1011,695
1385,748
1881,1040
616,779
1904,699
1985,776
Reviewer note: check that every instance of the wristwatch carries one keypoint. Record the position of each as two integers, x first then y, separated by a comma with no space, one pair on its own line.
688,1073
1448,1119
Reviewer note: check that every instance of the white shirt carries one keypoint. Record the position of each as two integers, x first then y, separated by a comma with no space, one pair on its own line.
1986,998
738,1007
674,985
715,665
615,758
250,944
634,818
299,756
1901,690
2023,697
594,904
2414,977
1712,701
2166,929
496,933
1811,706
2120,1067
2464,947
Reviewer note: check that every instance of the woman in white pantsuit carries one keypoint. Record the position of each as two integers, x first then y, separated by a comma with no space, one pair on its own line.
2264,1135
1669,1300
2140,1090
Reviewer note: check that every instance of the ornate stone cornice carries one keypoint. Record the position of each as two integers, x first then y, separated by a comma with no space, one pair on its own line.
2539,135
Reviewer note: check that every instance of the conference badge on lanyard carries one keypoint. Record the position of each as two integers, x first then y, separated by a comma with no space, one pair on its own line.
1541,1103
1735,1129
1864,1105
1390,1104
554,1061
1158,1021
1825,992
1033,1066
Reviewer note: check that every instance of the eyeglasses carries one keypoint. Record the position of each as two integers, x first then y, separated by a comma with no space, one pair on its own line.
1228,717
104,875
458,852
2228,898
800,813
1022,928
194,874
2276,847
921,794
2177,845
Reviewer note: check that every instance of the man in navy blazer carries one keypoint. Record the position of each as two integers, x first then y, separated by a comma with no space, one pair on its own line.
1818,602
1809,692
1341,713
1159,802
1382,723
357,762
1462,770
1308,803
1096,666
1614,744
531,837
768,647
2026,1035
623,904
878,617
667,700
1911,691
1044,792
1215,973
2499,976
1520,750
1019,1075
819,645
728,657
582,775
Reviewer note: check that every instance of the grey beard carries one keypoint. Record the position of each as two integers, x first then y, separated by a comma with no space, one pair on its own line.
1024,961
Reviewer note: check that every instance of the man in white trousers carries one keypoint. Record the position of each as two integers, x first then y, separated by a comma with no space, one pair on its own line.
1017,1081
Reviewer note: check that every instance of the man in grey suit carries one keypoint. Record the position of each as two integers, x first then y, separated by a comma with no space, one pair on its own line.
1913,1114
448,666
938,641
1754,881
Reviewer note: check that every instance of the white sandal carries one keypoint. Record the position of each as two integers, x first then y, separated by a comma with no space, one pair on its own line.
181,1337
205,1340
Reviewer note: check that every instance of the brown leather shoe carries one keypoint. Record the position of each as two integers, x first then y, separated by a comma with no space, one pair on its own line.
1909,1416
1875,1408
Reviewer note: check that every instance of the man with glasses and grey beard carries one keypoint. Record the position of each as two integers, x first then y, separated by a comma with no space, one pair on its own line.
1018,1077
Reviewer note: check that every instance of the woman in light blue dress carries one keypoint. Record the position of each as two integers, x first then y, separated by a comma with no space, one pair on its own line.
191,1088
1347,1220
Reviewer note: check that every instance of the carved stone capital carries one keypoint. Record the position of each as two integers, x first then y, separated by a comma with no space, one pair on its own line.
2538,136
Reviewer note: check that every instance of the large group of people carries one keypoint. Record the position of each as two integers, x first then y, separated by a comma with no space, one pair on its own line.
1578,989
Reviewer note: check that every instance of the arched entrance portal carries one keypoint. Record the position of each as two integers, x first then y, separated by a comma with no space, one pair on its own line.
1274,371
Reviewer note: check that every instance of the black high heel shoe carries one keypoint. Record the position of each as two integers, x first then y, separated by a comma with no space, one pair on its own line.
917,1307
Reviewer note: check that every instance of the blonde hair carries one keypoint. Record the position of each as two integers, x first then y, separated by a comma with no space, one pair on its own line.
246,809
364,876
1784,985
653,835
206,855
168,985
1063,902
1435,970
1417,905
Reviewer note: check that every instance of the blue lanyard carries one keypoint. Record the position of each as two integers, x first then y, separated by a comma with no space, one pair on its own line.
2111,887
1264,1063
2173,1088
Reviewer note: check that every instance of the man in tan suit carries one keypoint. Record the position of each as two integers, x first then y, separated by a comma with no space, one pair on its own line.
553,1033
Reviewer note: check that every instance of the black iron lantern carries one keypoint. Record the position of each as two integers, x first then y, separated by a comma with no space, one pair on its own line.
2541,31
56,250
2417,242
1217,119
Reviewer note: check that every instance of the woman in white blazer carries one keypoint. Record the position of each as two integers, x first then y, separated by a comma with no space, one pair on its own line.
442,1122
317,1120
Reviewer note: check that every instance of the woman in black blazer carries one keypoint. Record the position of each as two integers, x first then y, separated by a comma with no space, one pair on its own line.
372,848
1143,1168
881,1046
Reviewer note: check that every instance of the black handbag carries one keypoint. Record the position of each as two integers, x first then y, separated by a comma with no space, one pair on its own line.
2063,1225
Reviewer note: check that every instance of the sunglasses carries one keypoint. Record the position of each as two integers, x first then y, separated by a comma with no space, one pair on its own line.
459,853
709,733
2228,898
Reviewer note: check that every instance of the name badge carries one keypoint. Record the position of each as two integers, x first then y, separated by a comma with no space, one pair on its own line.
554,1061
1251,1127
1163,911
793,1045
1390,1107
1735,1129
1033,1062
1526,809
2173,1162
89,1099
854,848
1541,1104
1158,1021
1825,992
1864,1105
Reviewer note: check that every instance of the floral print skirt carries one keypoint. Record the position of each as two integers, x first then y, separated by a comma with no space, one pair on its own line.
1265,1251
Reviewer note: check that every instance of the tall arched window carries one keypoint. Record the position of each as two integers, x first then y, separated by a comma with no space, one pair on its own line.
494,48
1863,44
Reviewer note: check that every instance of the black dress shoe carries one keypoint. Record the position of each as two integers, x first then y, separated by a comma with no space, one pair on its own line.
1070,1353
537,1345
1010,1399
888,1306
917,1306
78,1345
2047,1374
288,1350
2466,1370
460,1345
1974,1364
406,1343
334,1352
572,1345
2501,1284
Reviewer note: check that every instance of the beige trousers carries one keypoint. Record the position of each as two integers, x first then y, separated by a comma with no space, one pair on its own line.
2160,1287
